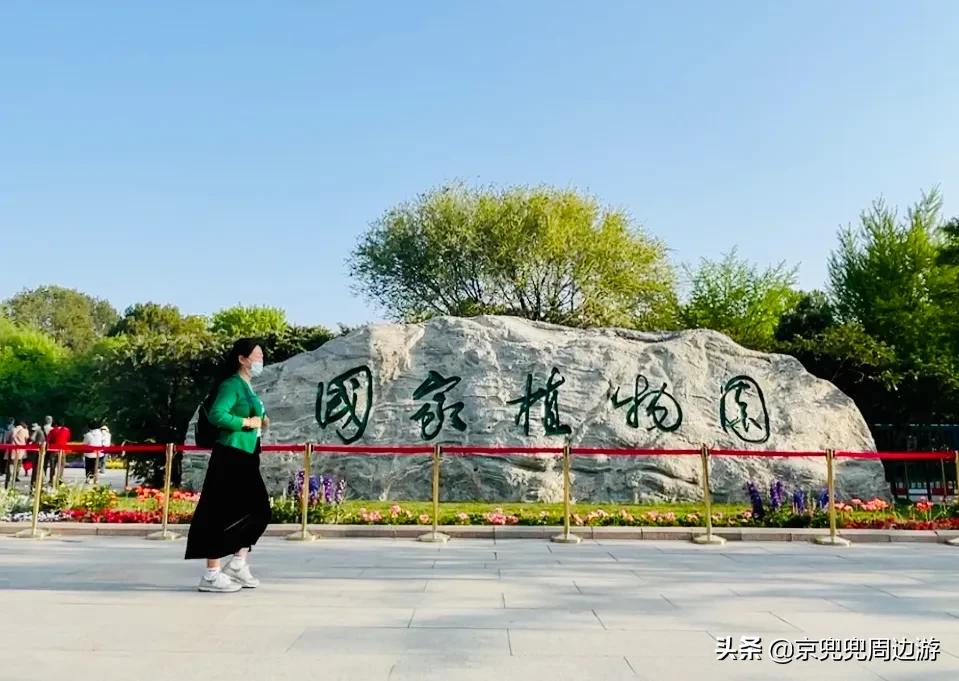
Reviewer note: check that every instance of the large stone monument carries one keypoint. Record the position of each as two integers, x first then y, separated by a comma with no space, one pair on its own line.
508,381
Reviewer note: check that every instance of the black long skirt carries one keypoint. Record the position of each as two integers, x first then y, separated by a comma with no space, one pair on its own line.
234,507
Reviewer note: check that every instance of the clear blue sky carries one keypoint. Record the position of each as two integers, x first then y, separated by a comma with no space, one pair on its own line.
213,153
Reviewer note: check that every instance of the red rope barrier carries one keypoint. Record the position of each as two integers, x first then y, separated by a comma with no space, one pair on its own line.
609,451
464,450
359,450
20,448
763,452
398,450
293,449
503,450
112,449
898,456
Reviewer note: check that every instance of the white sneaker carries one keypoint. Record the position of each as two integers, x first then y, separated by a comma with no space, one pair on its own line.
241,575
219,584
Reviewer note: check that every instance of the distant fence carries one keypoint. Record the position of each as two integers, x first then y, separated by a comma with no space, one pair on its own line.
929,479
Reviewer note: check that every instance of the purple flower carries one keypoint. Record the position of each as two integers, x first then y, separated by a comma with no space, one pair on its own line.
756,499
799,501
329,488
777,495
324,489
295,487
822,501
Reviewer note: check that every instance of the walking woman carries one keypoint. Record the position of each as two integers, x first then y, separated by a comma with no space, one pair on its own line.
234,508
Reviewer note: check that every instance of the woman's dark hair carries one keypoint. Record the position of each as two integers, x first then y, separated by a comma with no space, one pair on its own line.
231,362
93,424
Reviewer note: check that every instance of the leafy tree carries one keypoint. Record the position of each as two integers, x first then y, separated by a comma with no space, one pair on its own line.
144,318
885,387
256,322
888,276
293,340
150,384
74,319
732,296
811,316
887,338
31,365
949,253
147,386
543,254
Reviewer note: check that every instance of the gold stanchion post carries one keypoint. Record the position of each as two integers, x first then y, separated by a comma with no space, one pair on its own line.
35,532
165,534
832,539
126,467
304,534
435,536
709,537
942,470
567,537
58,473
955,540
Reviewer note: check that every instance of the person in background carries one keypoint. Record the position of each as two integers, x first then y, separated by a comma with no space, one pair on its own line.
18,438
93,439
47,429
37,438
56,442
234,508
105,440
6,438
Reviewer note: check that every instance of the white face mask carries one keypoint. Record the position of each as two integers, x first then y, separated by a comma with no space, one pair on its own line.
256,369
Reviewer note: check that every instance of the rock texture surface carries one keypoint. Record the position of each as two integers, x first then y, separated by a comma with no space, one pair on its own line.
507,381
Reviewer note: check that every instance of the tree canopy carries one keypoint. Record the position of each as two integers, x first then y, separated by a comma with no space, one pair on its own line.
540,253
889,276
252,321
74,319
146,318
31,365
739,299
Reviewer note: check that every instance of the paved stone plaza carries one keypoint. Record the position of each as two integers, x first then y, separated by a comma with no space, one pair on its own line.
105,609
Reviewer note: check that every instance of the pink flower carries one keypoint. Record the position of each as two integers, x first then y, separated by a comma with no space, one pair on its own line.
496,517
462,517
424,519
395,509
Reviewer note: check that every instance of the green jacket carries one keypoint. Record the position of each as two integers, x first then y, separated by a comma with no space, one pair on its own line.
234,402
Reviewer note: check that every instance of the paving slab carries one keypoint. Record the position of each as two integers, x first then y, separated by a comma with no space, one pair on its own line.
389,609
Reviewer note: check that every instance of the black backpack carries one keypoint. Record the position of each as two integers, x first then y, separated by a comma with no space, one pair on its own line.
204,432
